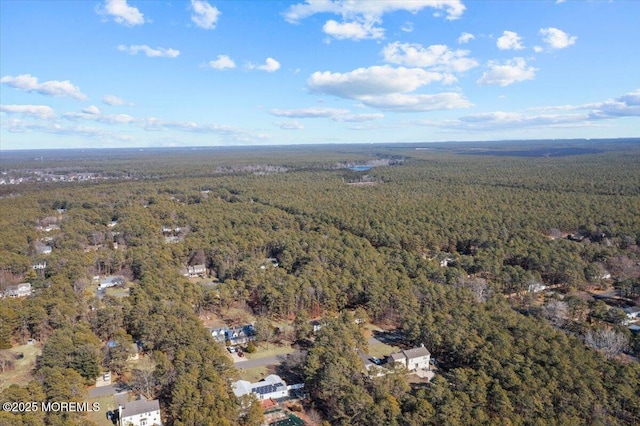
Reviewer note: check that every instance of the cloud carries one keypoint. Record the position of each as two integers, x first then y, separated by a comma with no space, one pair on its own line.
270,65
18,126
122,13
223,62
375,80
37,111
465,38
100,118
509,41
438,57
417,103
352,30
627,105
92,109
511,71
357,118
28,83
113,100
557,39
204,15
308,112
407,27
335,114
159,52
289,125
370,11
385,87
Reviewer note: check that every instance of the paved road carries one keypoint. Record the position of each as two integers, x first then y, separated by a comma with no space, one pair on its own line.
107,390
268,360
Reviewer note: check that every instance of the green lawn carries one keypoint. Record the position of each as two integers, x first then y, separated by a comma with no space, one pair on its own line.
100,417
22,373
270,350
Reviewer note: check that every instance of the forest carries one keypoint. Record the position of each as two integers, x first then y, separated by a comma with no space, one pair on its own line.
495,256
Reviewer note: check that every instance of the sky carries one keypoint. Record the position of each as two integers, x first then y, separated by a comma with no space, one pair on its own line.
127,73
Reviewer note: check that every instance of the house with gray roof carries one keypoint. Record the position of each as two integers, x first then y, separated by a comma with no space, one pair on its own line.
140,413
412,359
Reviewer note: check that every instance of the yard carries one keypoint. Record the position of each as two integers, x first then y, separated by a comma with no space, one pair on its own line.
22,373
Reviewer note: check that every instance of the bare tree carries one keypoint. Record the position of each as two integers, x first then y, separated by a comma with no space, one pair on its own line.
607,341
556,312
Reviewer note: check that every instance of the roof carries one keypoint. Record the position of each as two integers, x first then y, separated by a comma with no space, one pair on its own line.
140,406
416,352
632,309
271,383
21,286
398,356
241,387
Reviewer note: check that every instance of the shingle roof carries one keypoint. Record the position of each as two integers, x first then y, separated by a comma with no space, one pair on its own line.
139,407
416,352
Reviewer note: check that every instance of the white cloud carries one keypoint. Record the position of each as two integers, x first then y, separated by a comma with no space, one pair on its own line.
370,11
28,83
538,49
358,118
376,80
352,30
91,109
122,13
439,57
627,105
465,38
512,71
113,100
223,62
289,125
560,1
386,87
37,111
407,27
335,114
308,112
509,41
417,103
204,15
557,39
270,65
159,52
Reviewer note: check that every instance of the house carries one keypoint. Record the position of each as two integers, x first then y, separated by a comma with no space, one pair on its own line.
39,266
536,287
42,248
316,325
632,312
140,413
412,359
271,387
235,335
111,281
194,271
18,290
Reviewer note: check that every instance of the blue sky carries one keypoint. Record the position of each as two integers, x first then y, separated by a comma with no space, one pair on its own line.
132,73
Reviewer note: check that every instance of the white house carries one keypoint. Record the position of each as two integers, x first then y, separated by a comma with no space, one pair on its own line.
271,386
140,413
632,312
111,281
413,359
194,271
18,290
